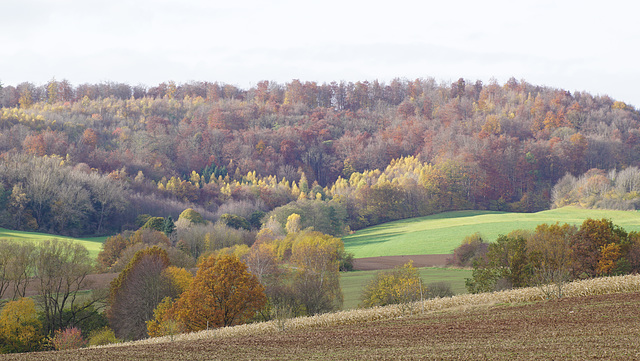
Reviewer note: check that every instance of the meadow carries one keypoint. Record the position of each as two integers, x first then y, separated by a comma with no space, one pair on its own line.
93,244
442,233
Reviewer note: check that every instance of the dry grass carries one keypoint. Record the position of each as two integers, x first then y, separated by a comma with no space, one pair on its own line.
599,286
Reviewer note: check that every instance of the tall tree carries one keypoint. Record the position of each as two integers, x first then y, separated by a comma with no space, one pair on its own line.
223,293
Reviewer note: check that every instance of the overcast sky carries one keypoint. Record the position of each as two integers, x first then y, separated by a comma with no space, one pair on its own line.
574,45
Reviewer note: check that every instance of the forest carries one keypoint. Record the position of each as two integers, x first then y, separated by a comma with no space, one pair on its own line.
89,159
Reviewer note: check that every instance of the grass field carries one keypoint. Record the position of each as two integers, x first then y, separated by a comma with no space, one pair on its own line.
352,283
441,233
94,244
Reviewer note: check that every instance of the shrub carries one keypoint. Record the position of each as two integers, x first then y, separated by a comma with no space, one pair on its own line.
438,290
400,285
103,336
471,248
68,339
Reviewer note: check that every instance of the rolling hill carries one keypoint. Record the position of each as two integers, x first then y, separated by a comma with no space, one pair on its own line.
94,244
442,233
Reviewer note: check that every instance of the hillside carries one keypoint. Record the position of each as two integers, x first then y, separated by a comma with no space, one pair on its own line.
441,233
93,244
89,159
467,327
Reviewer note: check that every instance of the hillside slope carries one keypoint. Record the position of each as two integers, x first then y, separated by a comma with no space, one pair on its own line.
441,233
578,328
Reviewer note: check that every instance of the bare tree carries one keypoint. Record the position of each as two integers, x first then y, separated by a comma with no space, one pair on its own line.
61,268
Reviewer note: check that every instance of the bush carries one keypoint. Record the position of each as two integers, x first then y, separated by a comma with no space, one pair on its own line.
471,248
400,285
103,336
438,290
68,339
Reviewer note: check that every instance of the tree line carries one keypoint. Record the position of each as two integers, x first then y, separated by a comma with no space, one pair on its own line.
549,256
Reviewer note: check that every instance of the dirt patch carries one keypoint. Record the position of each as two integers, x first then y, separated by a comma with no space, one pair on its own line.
387,262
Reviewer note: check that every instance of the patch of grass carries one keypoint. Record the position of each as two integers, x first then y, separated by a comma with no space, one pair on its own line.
442,233
353,283
93,244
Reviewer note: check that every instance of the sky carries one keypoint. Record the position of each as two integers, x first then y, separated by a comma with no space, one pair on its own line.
584,45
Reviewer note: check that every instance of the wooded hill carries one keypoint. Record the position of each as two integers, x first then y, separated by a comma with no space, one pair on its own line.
88,159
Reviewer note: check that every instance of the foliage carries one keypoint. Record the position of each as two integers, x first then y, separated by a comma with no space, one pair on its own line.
155,223
68,339
235,221
163,322
102,336
89,159
470,250
438,290
180,277
20,329
223,293
316,258
136,292
595,247
400,285
192,216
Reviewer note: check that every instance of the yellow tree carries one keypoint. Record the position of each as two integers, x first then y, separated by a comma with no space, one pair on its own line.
316,257
20,329
223,293
398,286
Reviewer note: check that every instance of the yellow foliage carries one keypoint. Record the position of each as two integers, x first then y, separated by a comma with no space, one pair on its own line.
609,255
180,277
20,329
294,224
398,286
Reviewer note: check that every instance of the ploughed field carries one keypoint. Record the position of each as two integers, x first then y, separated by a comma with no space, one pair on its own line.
576,328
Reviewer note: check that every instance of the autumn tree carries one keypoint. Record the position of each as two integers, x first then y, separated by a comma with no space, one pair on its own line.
595,248
316,257
398,286
61,270
136,292
223,293
20,328
506,266
549,253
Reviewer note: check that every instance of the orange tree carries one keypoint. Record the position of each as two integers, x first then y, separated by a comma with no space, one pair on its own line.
223,293
598,248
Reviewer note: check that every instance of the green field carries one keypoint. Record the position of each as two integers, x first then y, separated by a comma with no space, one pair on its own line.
94,244
442,233
352,283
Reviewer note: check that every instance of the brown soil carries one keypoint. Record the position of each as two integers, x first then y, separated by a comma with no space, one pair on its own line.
587,328
378,263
